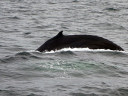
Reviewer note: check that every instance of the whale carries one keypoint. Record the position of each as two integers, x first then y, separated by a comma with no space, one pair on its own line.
61,41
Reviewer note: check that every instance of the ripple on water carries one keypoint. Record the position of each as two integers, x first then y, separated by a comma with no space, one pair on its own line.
14,18
83,94
123,91
8,93
112,9
95,91
17,93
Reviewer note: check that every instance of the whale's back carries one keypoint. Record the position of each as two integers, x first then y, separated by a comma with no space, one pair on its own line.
90,41
78,41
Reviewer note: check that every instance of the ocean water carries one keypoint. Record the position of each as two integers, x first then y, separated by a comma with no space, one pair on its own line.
27,24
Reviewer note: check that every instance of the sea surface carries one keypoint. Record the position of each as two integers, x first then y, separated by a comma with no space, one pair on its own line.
27,24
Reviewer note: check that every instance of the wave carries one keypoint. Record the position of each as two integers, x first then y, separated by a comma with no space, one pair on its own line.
20,56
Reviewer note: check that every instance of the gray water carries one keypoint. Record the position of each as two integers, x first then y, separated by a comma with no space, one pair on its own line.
26,24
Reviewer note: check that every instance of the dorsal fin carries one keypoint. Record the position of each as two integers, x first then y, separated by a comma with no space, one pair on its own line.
60,34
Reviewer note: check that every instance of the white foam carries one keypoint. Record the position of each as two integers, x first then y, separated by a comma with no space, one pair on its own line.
83,49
